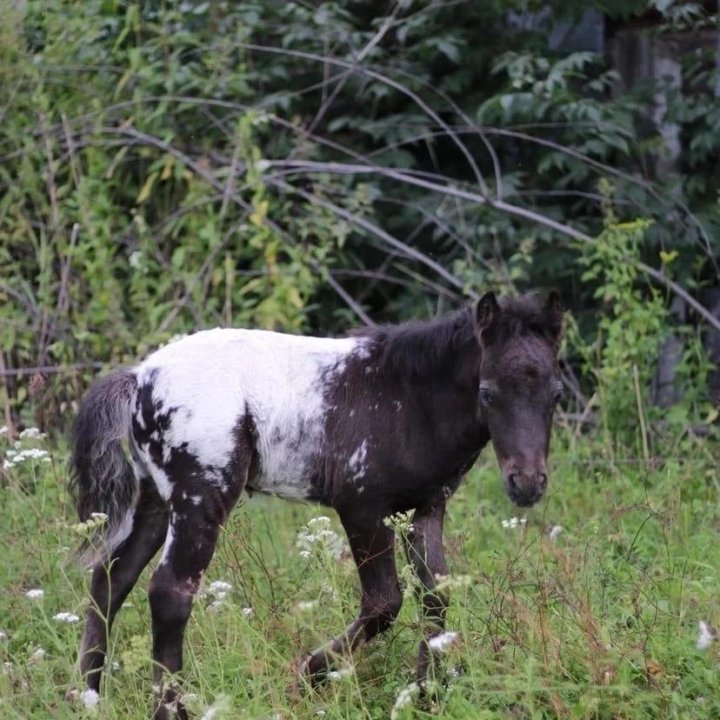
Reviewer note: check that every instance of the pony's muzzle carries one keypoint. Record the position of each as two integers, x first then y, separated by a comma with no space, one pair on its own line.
526,488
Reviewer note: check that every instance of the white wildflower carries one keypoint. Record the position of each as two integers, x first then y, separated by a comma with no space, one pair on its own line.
404,699
220,706
305,605
706,635
35,593
215,606
32,433
4,430
66,617
136,260
89,698
218,589
328,594
513,522
319,539
452,582
343,672
7,668
555,531
115,666
17,457
247,612
443,642
400,522
3,636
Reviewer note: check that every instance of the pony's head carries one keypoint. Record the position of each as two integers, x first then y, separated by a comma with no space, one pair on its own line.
519,386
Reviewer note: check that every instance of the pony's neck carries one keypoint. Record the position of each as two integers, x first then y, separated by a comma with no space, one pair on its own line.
442,352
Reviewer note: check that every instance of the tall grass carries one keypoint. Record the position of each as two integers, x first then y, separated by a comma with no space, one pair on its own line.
589,609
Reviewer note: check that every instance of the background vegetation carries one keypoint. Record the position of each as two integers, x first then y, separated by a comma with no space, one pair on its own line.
309,166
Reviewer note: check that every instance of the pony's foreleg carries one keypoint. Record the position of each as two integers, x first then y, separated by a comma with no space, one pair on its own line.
372,545
112,581
425,551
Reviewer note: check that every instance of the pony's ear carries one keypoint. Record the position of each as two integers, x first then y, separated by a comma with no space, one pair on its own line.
487,312
554,315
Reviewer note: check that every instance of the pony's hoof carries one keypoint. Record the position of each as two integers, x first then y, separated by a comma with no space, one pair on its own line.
170,706
313,669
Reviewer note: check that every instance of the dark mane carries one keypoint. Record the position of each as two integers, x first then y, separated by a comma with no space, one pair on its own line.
419,348
423,348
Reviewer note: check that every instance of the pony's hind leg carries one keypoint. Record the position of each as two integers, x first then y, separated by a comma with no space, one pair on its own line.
193,530
114,577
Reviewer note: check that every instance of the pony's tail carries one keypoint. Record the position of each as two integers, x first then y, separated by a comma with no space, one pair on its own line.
101,478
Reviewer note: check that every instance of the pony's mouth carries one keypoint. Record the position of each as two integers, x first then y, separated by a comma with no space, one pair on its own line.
524,493
526,501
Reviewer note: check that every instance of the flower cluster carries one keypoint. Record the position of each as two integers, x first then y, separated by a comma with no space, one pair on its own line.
17,456
217,590
93,523
706,635
66,617
405,699
340,673
218,709
320,540
32,433
452,582
400,522
513,522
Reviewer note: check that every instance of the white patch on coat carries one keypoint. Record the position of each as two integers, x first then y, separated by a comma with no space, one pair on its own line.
169,538
159,476
210,379
122,531
356,464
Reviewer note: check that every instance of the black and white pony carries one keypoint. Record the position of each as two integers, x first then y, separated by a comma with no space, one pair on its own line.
381,422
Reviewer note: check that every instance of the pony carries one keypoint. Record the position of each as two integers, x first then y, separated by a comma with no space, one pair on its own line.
380,422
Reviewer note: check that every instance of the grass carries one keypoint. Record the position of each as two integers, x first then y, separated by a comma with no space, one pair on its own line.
601,622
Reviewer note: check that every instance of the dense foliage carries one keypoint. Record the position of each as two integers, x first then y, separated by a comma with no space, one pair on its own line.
305,166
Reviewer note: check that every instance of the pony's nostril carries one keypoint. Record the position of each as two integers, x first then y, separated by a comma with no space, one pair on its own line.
543,480
512,481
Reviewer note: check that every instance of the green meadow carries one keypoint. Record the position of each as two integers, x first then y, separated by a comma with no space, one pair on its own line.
587,606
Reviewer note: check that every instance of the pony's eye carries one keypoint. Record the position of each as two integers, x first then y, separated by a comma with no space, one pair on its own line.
486,395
